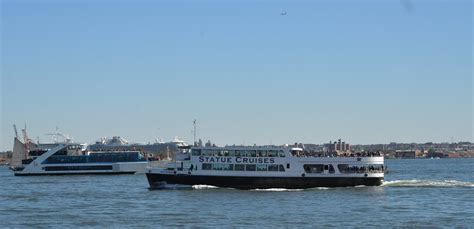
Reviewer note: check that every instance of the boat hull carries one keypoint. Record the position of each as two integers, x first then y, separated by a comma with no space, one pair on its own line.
158,181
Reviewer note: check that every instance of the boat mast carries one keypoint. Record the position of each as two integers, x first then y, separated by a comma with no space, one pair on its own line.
194,132
26,142
16,131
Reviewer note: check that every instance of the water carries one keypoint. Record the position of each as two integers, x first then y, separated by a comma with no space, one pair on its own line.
429,193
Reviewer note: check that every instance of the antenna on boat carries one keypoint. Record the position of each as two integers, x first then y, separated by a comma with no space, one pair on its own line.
194,131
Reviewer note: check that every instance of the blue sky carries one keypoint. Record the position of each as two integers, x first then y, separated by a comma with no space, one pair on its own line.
367,72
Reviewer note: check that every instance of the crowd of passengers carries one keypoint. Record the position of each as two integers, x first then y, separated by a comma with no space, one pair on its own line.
334,154
242,153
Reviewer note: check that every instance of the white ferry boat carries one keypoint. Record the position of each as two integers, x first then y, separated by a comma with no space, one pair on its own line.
119,143
267,167
72,158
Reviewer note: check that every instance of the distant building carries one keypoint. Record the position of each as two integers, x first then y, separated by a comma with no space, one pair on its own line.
5,157
405,154
337,147
436,155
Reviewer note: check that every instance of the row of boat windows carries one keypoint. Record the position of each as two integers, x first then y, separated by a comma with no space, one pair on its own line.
343,168
244,167
62,152
77,168
238,153
74,147
37,153
96,158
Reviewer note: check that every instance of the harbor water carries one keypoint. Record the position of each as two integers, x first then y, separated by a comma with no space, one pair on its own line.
420,192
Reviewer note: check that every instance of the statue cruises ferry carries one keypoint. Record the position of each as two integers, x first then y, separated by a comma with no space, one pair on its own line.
267,167
72,158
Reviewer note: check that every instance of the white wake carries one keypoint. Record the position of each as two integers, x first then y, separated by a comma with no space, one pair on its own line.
427,183
277,190
202,187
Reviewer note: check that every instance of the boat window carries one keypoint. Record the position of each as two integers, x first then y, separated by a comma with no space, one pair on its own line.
250,167
231,153
282,168
206,166
313,168
273,168
27,161
114,157
239,154
220,153
77,168
36,153
261,167
96,158
251,153
331,169
206,152
218,166
326,167
239,167
272,153
196,152
288,165
376,168
281,153
262,153
344,168
243,167
213,152
61,152
228,167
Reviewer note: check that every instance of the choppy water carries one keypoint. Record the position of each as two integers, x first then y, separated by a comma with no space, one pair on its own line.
430,193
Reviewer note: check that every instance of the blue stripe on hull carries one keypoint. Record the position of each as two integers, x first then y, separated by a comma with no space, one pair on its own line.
66,174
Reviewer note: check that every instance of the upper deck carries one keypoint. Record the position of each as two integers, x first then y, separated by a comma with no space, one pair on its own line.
291,153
